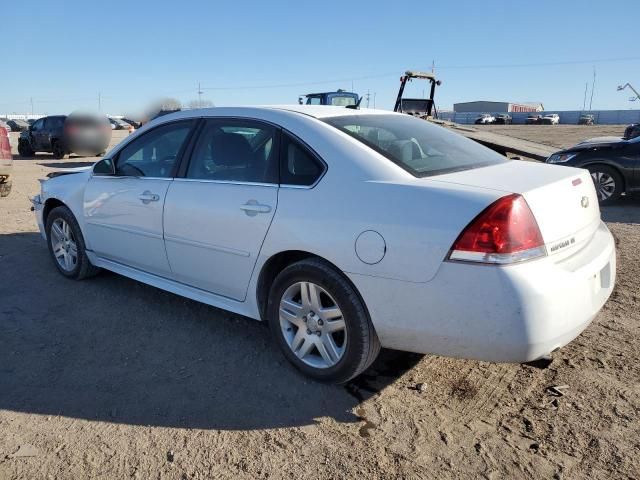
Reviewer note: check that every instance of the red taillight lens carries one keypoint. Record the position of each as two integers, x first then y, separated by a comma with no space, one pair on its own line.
505,232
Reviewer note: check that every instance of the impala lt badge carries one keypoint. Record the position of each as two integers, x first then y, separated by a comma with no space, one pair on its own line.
584,202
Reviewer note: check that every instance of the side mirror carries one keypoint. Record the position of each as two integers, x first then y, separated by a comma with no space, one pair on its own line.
104,168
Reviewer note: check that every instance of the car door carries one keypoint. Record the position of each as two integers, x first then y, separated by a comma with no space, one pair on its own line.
217,216
123,209
37,130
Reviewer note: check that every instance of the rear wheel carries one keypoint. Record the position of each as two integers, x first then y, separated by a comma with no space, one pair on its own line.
608,183
320,322
66,245
58,150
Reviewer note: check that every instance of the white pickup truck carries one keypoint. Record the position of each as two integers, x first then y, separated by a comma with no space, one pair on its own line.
551,119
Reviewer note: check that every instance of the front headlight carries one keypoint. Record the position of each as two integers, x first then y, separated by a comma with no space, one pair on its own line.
561,158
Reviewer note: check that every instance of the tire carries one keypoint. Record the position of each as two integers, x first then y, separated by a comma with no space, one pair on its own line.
80,268
25,150
350,349
608,183
58,151
5,188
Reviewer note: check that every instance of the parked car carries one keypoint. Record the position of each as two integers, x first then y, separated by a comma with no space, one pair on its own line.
6,160
503,119
485,119
31,121
133,123
17,125
551,119
614,164
61,135
346,230
118,124
586,119
632,131
533,120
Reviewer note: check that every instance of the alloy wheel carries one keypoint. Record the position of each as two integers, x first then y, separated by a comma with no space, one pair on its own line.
312,325
63,243
604,183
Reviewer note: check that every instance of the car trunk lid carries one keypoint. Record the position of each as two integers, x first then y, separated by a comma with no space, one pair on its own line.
562,199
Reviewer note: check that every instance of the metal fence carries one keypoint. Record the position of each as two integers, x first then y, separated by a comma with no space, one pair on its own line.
570,117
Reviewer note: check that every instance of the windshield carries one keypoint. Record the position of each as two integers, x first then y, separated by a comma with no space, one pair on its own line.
418,146
342,100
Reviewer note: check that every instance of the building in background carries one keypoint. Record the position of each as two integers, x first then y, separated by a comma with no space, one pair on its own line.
482,106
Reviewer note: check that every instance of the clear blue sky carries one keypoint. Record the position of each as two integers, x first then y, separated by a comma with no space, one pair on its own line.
62,53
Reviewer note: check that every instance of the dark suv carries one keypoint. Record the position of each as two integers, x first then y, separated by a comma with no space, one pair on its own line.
45,135
78,133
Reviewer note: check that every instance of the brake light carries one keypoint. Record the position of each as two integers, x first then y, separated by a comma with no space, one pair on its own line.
505,232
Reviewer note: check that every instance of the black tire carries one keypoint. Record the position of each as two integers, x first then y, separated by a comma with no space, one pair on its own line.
362,346
83,267
5,188
25,150
602,175
58,150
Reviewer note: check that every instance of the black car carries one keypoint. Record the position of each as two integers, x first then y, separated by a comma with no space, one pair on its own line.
17,125
632,131
614,164
61,134
503,119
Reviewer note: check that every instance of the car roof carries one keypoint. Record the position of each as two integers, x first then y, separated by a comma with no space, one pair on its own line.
315,111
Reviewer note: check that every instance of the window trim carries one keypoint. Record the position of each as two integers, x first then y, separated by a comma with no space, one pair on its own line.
181,174
179,156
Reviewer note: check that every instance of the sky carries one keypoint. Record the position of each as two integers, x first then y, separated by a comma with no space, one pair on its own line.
65,55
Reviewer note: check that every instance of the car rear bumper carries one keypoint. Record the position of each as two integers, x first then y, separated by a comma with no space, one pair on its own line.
515,313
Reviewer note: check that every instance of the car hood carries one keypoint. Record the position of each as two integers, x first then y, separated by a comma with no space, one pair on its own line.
594,144
69,171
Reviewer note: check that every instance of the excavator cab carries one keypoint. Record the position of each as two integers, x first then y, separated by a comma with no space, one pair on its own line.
420,107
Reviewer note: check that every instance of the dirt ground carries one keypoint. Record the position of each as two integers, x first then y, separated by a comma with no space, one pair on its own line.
110,378
561,136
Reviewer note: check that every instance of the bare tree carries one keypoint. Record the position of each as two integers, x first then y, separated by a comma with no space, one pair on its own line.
200,104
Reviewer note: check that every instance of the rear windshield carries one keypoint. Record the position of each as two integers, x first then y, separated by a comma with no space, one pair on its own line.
418,146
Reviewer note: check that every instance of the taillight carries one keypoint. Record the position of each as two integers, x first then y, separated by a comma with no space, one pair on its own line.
505,232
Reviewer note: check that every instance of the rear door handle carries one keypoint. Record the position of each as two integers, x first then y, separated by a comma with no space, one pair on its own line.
147,197
252,208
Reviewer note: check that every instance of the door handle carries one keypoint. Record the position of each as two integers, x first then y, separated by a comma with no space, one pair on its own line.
147,197
252,208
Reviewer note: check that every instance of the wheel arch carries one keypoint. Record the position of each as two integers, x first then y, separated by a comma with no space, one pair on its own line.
49,205
608,165
277,263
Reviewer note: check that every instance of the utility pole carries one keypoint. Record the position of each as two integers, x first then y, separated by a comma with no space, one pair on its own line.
200,92
374,99
368,96
31,100
593,86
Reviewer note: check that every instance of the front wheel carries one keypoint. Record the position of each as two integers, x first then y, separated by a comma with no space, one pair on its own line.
320,322
66,245
608,183
25,150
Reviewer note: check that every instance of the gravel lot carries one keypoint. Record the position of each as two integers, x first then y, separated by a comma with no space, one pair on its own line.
110,378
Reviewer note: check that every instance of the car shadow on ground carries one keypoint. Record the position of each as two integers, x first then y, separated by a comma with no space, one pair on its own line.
112,349
625,210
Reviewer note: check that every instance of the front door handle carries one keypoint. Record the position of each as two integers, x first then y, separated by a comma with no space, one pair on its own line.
147,197
252,208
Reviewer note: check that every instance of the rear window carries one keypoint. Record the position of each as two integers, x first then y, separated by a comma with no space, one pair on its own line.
420,147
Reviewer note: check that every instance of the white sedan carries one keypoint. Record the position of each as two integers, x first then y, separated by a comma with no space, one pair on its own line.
346,230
